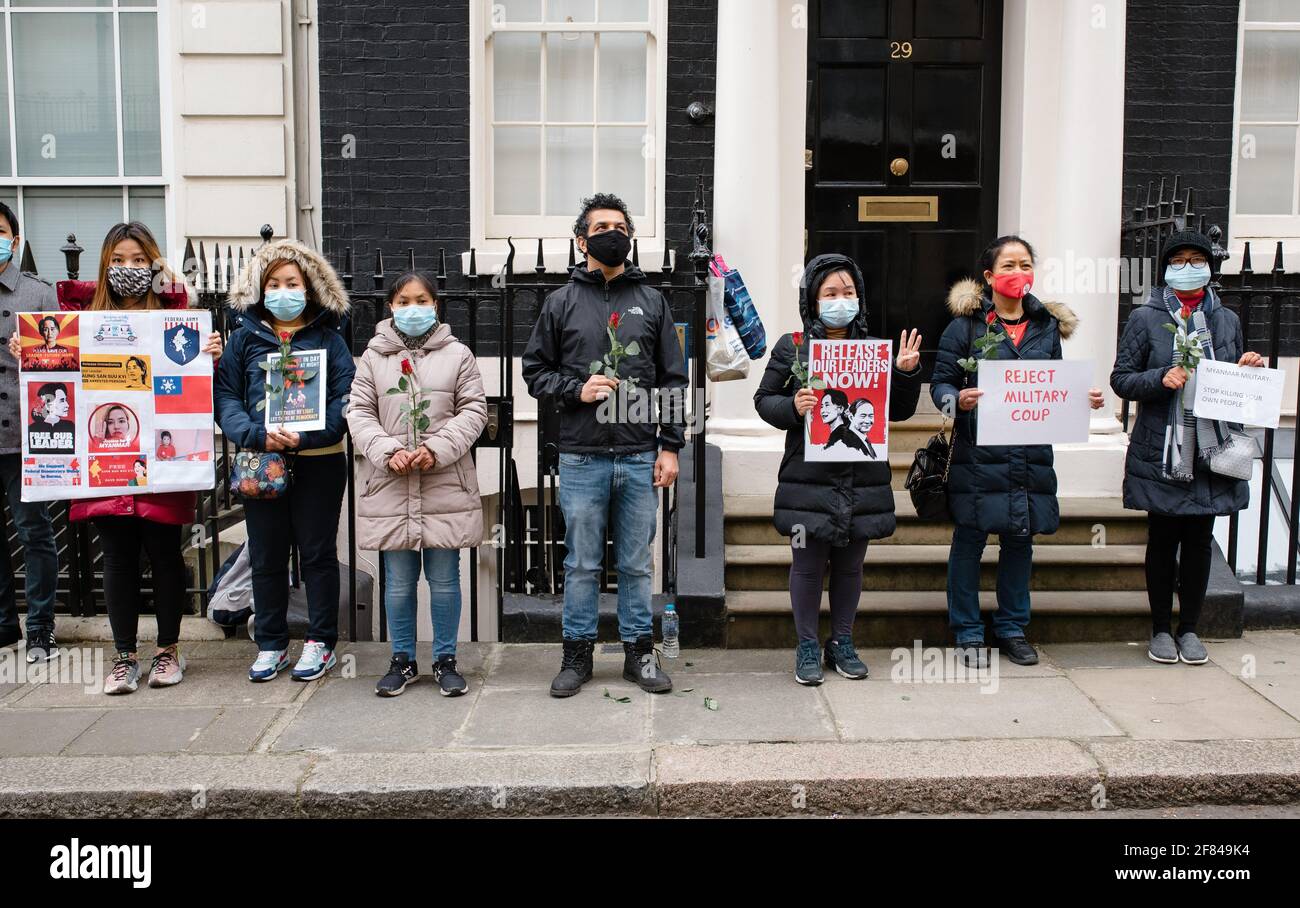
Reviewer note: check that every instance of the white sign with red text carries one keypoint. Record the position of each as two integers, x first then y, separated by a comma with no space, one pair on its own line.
1033,402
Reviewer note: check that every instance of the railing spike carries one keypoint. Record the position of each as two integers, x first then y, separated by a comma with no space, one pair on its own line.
442,263
473,262
573,260
410,258
540,267
1278,269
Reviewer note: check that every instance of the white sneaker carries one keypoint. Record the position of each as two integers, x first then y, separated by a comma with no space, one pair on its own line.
268,664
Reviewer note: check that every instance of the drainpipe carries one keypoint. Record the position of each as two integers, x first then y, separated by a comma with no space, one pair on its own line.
305,141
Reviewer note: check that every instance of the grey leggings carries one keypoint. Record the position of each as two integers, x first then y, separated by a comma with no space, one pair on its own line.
807,569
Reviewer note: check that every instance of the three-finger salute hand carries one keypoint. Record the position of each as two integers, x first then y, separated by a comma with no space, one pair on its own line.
909,351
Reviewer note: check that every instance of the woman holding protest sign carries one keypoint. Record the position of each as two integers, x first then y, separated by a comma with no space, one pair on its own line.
830,510
1005,489
1176,475
132,277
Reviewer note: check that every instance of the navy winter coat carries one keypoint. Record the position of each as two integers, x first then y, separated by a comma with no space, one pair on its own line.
833,502
1145,354
997,488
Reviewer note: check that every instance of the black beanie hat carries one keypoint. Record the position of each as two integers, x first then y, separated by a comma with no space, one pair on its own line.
1182,239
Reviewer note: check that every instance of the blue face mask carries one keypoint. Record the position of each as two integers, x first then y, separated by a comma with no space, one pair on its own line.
413,321
1188,277
6,249
285,305
837,313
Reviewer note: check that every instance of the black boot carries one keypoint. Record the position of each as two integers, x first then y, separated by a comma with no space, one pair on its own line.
575,668
641,664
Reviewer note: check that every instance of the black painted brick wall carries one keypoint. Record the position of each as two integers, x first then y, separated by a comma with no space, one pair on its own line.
394,75
1178,111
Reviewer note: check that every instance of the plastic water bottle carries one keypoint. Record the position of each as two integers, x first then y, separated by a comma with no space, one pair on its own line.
669,624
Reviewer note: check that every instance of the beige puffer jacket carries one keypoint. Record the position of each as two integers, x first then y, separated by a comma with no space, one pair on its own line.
438,508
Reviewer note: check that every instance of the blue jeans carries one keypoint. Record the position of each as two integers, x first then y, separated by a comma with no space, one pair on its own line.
401,598
32,521
618,490
1015,564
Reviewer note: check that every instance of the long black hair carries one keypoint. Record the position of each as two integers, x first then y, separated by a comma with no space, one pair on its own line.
989,257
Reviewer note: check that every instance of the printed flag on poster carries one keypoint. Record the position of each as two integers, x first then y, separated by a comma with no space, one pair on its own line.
850,422
115,401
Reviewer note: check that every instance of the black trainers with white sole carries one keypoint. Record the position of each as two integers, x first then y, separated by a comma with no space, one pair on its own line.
401,672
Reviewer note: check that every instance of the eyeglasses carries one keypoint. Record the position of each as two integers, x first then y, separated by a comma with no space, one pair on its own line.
1197,262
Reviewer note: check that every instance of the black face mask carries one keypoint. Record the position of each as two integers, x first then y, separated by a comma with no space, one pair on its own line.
610,248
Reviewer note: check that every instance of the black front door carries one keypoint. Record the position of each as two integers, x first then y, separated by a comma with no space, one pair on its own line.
903,100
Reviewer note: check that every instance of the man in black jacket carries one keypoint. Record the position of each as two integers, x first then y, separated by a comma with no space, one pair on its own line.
605,350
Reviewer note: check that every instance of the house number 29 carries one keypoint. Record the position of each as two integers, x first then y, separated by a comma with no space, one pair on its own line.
900,50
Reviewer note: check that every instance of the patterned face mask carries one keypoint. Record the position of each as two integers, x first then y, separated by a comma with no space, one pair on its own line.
129,282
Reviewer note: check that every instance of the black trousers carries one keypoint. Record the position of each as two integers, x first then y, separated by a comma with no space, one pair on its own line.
808,567
1178,558
309,516
121,539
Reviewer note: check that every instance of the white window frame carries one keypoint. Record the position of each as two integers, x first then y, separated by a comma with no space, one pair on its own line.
488,232
1262,230
164,181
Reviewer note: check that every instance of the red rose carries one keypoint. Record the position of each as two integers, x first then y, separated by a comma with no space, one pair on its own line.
797,337
285,335
406,367
613,321
991,317
1187,312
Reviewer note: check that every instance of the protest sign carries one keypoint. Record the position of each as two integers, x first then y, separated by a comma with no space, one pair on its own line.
850,422
1033,402
301,407
1241,394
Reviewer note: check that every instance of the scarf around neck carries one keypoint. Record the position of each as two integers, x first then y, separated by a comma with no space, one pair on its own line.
1185,434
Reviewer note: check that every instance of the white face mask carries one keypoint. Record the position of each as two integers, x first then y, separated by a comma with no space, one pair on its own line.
837,313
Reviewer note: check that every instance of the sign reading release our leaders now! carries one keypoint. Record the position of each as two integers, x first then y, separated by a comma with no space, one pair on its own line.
1033,402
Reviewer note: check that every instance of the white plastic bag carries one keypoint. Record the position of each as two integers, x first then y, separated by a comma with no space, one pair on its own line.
725,356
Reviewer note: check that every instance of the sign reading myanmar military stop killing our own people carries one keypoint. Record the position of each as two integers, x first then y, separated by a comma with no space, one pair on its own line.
115,402
1239,394
1033,402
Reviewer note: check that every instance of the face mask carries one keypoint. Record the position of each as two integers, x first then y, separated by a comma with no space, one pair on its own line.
285,305
129,282
1013,284
1188,277
6,249
413,321
837,313
610,248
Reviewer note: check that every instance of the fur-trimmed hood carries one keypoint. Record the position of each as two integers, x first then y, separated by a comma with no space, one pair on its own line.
967,297
325,285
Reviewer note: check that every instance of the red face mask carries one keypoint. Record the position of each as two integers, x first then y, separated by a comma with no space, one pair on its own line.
1013,284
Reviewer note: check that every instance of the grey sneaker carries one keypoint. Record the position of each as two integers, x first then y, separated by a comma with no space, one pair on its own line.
124,677
1191,650
1162,649
973,654
808,663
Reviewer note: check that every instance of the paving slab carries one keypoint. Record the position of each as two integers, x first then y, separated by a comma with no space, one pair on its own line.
1131,654
143,731
531,717
371,659
32,732
1187,702
485,784
207,683
908,661
533,665
872,778
1162,773
235,730
751,707
347,715
1015,708
1261,654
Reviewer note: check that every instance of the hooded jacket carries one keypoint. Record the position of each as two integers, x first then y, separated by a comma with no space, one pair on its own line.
1145,353
438,508
570,335
240,381
997,488
163,507
834,502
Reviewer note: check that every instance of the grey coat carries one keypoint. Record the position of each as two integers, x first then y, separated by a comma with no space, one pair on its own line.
1145,354
18,293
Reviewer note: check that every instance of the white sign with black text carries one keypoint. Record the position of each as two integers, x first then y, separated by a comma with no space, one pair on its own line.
1242,394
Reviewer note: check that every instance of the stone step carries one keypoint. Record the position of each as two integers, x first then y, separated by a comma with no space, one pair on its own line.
762,618
925,567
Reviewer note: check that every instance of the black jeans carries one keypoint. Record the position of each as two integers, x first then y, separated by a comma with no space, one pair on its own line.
808,567
1178,557
121,539
32,521
309,516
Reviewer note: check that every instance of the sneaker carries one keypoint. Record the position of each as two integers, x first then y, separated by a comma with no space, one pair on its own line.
841,656
575,668
641,665
973,654
41,647
1018,650
1162,649
808,663
315,661
1191,650
10,636
124,677
268,664
451,683
168,668
401,672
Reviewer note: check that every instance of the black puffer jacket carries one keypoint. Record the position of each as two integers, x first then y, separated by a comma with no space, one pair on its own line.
997,488
1145,354
833,502
570,335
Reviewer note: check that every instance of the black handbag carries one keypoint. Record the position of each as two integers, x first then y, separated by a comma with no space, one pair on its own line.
927,480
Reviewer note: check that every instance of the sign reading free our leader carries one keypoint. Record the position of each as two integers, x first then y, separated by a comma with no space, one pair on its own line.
1241,394
1033,402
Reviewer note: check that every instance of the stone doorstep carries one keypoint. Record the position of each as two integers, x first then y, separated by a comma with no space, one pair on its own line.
68,629
824,778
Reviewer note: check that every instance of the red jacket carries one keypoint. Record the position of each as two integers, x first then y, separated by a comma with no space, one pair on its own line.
163,507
